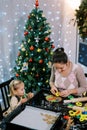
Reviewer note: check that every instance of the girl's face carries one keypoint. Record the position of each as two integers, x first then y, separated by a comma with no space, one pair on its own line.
60,67
20,90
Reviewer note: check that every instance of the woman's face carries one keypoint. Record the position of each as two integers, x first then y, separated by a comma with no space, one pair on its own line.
61,67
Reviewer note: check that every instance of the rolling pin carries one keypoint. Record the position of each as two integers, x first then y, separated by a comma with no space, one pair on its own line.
80,99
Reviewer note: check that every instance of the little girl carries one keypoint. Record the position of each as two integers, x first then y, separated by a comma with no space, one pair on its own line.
18,96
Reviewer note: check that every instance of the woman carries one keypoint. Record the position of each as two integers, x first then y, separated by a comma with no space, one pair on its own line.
66,77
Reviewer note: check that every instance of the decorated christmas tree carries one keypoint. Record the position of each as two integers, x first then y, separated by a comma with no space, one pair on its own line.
81,19
35,53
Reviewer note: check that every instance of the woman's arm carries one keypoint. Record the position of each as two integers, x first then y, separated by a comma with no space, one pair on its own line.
52,77
82,82
68,92
52,80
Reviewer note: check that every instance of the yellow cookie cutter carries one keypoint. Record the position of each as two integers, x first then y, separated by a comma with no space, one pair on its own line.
85,108
57,94
79,104
72,113
82,118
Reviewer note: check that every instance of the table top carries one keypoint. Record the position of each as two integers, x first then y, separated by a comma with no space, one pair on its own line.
36,118
39,110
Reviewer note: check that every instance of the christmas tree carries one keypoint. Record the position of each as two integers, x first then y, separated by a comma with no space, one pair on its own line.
35,52
81,19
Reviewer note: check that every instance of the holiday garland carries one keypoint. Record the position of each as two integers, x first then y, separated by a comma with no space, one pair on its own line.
81,19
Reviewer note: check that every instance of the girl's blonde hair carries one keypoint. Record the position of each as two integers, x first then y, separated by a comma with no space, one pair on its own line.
14,85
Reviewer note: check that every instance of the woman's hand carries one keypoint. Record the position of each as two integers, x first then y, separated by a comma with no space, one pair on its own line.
65,93
53,90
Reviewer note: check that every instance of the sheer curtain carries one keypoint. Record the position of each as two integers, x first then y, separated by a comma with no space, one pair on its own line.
13,16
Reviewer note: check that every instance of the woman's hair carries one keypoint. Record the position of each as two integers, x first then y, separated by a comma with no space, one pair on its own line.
14,85
59,56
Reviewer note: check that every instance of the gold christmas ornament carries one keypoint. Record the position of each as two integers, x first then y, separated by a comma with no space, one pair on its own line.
23,49
49,64
28,40
22,46
38,50
46,81
43,69
26,54
51,52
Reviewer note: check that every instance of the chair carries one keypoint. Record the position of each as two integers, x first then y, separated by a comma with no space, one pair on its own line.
4,97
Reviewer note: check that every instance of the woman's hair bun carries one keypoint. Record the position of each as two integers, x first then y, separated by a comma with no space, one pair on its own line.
61,49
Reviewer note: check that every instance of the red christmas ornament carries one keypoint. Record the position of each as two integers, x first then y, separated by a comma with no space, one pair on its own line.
52,46
36,3
37,75
25,33
47,39
47,49
40,61
31,48
29,16
17,75
29,28
19,53
30,60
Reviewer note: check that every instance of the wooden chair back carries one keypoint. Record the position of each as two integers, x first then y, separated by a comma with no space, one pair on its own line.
4,96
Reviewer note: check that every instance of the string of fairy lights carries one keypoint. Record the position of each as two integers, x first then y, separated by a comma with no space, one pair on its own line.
13,16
